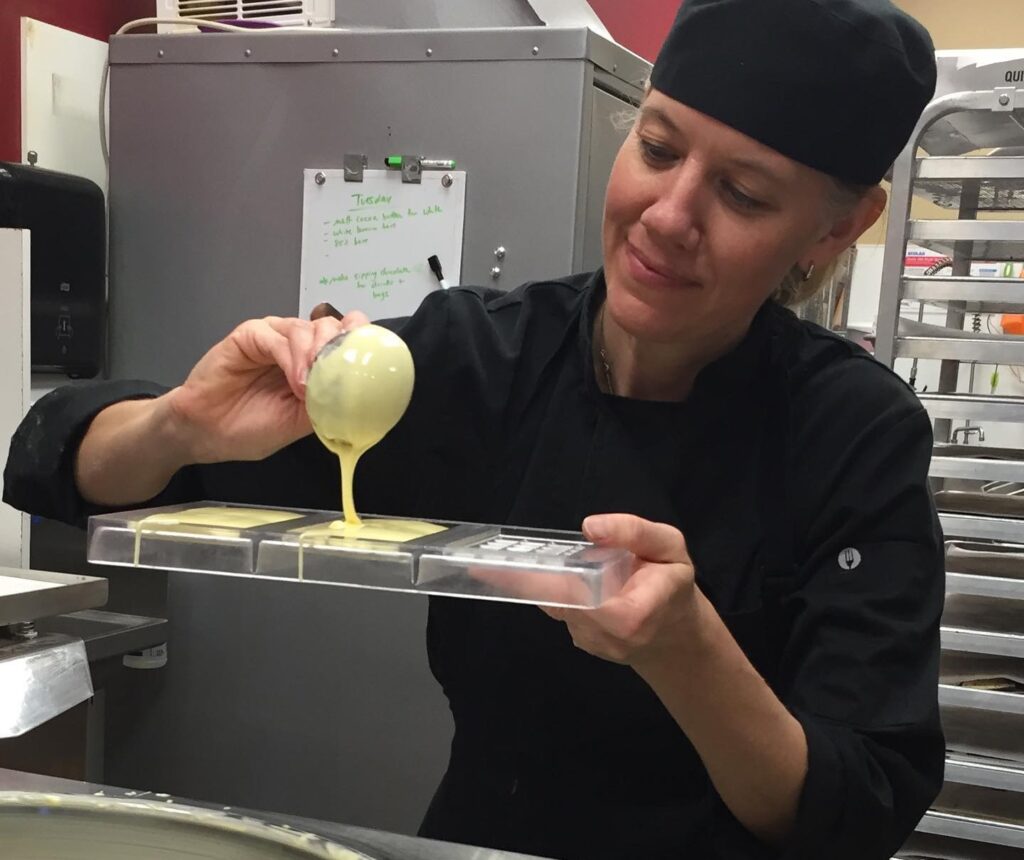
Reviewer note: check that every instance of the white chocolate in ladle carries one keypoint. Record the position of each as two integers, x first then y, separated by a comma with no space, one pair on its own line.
358,388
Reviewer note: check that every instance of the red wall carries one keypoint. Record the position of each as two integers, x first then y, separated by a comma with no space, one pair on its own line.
640,25
95,18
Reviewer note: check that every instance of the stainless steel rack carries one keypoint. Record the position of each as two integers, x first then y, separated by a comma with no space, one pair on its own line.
979,490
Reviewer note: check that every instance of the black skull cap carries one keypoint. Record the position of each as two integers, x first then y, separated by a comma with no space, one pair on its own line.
837,85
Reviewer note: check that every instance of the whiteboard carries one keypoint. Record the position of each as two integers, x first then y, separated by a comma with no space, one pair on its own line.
365,244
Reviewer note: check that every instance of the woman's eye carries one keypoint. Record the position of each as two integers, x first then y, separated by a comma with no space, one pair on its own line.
741,200
655,154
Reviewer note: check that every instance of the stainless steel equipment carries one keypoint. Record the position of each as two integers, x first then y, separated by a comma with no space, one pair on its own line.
463,14
978,489
210,134
59,657
43,817
41,676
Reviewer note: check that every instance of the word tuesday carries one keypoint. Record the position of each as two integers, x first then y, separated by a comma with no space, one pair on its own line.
371,199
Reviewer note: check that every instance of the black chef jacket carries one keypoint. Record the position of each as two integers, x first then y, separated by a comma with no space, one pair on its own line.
796,470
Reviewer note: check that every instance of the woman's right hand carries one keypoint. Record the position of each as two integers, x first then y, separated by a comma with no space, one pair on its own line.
245,399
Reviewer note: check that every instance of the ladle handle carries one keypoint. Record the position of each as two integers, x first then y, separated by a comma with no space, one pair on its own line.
325,309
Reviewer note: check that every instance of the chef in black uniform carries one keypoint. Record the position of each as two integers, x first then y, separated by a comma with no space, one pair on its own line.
765,687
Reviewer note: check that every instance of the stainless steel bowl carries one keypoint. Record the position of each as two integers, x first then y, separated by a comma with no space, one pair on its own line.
84,827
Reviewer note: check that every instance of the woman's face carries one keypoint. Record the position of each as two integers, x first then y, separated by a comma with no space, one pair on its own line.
702,224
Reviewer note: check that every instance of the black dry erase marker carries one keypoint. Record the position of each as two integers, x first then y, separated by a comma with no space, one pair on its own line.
435,267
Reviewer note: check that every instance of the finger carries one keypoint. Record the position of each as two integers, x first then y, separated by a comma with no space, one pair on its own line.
329,328
325,330
263,346
299,337
355,319
556,612
532,586
596,641
631,621
323,311
658,542
300,341
645,594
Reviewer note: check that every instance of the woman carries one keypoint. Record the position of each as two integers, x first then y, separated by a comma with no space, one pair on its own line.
766,684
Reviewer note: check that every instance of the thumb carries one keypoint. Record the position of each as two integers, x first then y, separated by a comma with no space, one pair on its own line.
657,542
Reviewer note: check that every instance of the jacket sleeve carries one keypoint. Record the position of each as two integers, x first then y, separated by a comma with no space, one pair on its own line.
39,477
860,653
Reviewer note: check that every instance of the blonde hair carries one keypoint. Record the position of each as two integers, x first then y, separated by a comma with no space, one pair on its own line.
796,288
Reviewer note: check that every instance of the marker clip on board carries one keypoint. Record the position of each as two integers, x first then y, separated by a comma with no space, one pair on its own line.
355,165
412,166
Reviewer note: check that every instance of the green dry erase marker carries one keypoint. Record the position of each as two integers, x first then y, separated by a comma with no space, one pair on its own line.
395,162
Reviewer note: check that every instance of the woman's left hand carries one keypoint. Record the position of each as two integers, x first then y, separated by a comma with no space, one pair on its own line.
658,611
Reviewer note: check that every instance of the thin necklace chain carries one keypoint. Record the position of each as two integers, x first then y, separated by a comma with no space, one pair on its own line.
609,384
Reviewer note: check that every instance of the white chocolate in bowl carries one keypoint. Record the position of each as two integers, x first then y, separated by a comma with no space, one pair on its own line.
35,826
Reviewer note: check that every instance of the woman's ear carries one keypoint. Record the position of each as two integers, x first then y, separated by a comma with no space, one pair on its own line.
850,227
852,224
874,202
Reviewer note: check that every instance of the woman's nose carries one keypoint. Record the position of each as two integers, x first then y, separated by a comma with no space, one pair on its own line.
675,216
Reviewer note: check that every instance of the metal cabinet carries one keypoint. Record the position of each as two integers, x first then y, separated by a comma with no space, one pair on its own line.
210,133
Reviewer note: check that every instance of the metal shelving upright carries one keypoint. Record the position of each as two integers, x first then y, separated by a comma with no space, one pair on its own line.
979,490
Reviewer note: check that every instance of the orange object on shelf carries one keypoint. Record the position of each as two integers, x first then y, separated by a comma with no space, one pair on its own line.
1012,323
